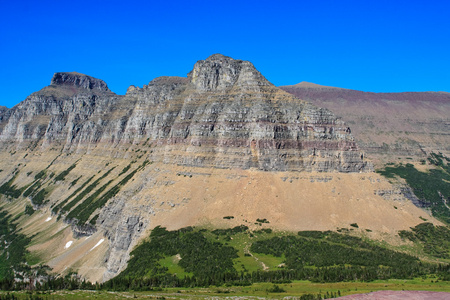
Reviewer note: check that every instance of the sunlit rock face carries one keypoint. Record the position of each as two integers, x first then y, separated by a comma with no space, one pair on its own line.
225,114
387,126
78,80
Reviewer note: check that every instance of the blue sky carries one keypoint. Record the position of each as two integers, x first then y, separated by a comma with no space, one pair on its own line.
378,46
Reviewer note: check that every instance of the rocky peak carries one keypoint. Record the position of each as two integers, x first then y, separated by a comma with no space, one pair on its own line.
3,112
219,72
163,83
79,80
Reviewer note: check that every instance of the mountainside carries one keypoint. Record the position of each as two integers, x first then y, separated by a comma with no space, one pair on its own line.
4,113
225,114
86,171
387,125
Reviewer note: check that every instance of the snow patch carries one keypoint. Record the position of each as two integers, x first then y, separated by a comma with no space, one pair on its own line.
68,244
98,244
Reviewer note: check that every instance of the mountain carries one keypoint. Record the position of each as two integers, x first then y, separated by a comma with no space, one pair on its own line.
387,125
3,114
87,174
225,114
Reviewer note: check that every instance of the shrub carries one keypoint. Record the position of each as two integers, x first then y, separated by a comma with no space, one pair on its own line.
63,174
29,210
276,289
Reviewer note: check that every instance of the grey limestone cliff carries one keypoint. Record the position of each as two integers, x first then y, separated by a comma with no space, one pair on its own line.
408,124
224,114
78,80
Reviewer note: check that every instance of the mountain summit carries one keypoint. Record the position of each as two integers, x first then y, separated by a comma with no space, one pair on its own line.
225,115
221,147
219,72
79,80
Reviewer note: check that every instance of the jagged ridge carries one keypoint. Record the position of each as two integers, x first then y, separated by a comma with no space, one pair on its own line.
78,80
182,152
225,114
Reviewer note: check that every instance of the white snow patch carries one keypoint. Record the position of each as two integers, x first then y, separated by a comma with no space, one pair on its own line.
68,244
48,219
98,244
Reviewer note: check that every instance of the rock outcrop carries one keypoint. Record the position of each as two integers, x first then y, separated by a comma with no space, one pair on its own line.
78,80
4,115
387,125
123,154
224,115
219,73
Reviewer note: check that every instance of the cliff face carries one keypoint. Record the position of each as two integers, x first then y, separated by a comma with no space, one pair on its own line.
387,125
3,110
4,115
77,80
224,115
72,104
176,152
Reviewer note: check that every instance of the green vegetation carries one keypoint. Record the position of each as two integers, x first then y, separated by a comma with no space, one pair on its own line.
338,264
125,169
435,240
39,198
86,191
12,248
230,231
34,186
263,230
209,262
40,175
56,209
276,289
94,219
8,189
190,257
337,257
29,210
63,174
432,188
85,209
262,221
75,181
438,160
300,290
34,191
48,282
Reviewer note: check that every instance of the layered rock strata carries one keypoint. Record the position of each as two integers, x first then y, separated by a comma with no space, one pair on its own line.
387,125
113,166
225,114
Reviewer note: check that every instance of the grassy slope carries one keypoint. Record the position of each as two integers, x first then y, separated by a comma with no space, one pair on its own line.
431,187
238,241
295,289
164,253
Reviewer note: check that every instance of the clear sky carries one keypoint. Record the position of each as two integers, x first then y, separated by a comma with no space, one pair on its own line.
377,46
